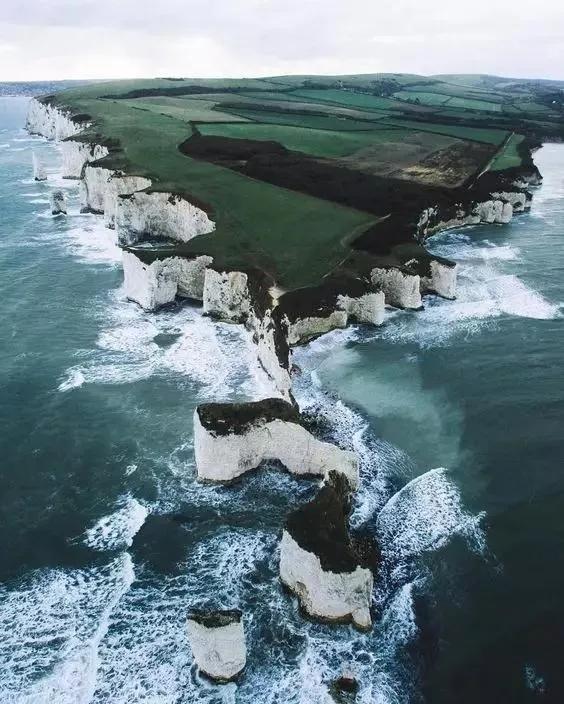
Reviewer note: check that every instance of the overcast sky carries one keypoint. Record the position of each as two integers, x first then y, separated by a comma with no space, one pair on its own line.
52,39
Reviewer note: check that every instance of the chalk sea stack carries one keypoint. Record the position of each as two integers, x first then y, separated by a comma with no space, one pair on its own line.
217,640
58,205
39,173
320,563
233,438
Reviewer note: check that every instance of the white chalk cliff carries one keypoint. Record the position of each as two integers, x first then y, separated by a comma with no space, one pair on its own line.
227,297
102,187
401,288
51,122
323,594
367,308
218,645
76,154
159,215
222,457
160,282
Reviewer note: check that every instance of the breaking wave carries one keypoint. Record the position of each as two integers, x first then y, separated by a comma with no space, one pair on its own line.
485,292
216,359
117,530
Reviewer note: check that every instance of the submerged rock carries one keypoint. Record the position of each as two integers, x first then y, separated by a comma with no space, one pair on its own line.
233,438
344,688
217,640
319,561
58,205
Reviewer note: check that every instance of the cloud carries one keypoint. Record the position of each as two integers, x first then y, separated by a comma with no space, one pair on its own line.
43,39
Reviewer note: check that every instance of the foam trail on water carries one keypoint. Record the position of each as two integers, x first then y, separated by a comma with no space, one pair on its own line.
217,359
52,627
486,291
381,464
117,530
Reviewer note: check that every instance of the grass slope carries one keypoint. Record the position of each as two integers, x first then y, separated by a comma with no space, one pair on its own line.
427,131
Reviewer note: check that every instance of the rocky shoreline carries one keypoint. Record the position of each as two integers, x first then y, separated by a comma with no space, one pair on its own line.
319,561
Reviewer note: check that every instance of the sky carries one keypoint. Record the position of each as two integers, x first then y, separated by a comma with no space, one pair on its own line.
80,39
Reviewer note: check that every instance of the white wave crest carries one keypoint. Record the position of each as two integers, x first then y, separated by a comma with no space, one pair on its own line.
74,379
217,359
423,516
118,529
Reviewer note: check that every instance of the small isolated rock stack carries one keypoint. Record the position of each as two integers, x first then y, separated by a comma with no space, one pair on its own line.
38,170
58,205
345,687
233,438
217,640
319,562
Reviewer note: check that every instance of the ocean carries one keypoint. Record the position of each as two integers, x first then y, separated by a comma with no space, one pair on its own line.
107,540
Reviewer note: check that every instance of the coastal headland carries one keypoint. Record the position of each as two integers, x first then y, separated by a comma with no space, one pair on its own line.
294,206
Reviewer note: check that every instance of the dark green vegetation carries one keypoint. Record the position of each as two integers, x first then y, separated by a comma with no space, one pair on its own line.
294,169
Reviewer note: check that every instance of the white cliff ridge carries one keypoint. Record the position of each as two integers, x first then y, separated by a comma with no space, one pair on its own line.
76,154
102,187
51,122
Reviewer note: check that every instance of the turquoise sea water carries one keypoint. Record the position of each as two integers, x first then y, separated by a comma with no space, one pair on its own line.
107,540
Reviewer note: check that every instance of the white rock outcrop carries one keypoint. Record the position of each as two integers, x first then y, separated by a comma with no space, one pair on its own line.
218,644
101,188
159,215
226,295
401,289
156,284
222,456
76,154
519,201
39,173
51,122
323,594
58,205
368,308
442,280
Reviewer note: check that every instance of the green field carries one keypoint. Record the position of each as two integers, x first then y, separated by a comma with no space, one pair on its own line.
316,122
425,98
362,125
184,109
348,99
323,143
509,156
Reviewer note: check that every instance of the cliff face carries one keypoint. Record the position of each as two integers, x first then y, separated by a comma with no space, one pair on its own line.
319,563
102,187
166,216
48,121
156,284
76,154
218,643
224,456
